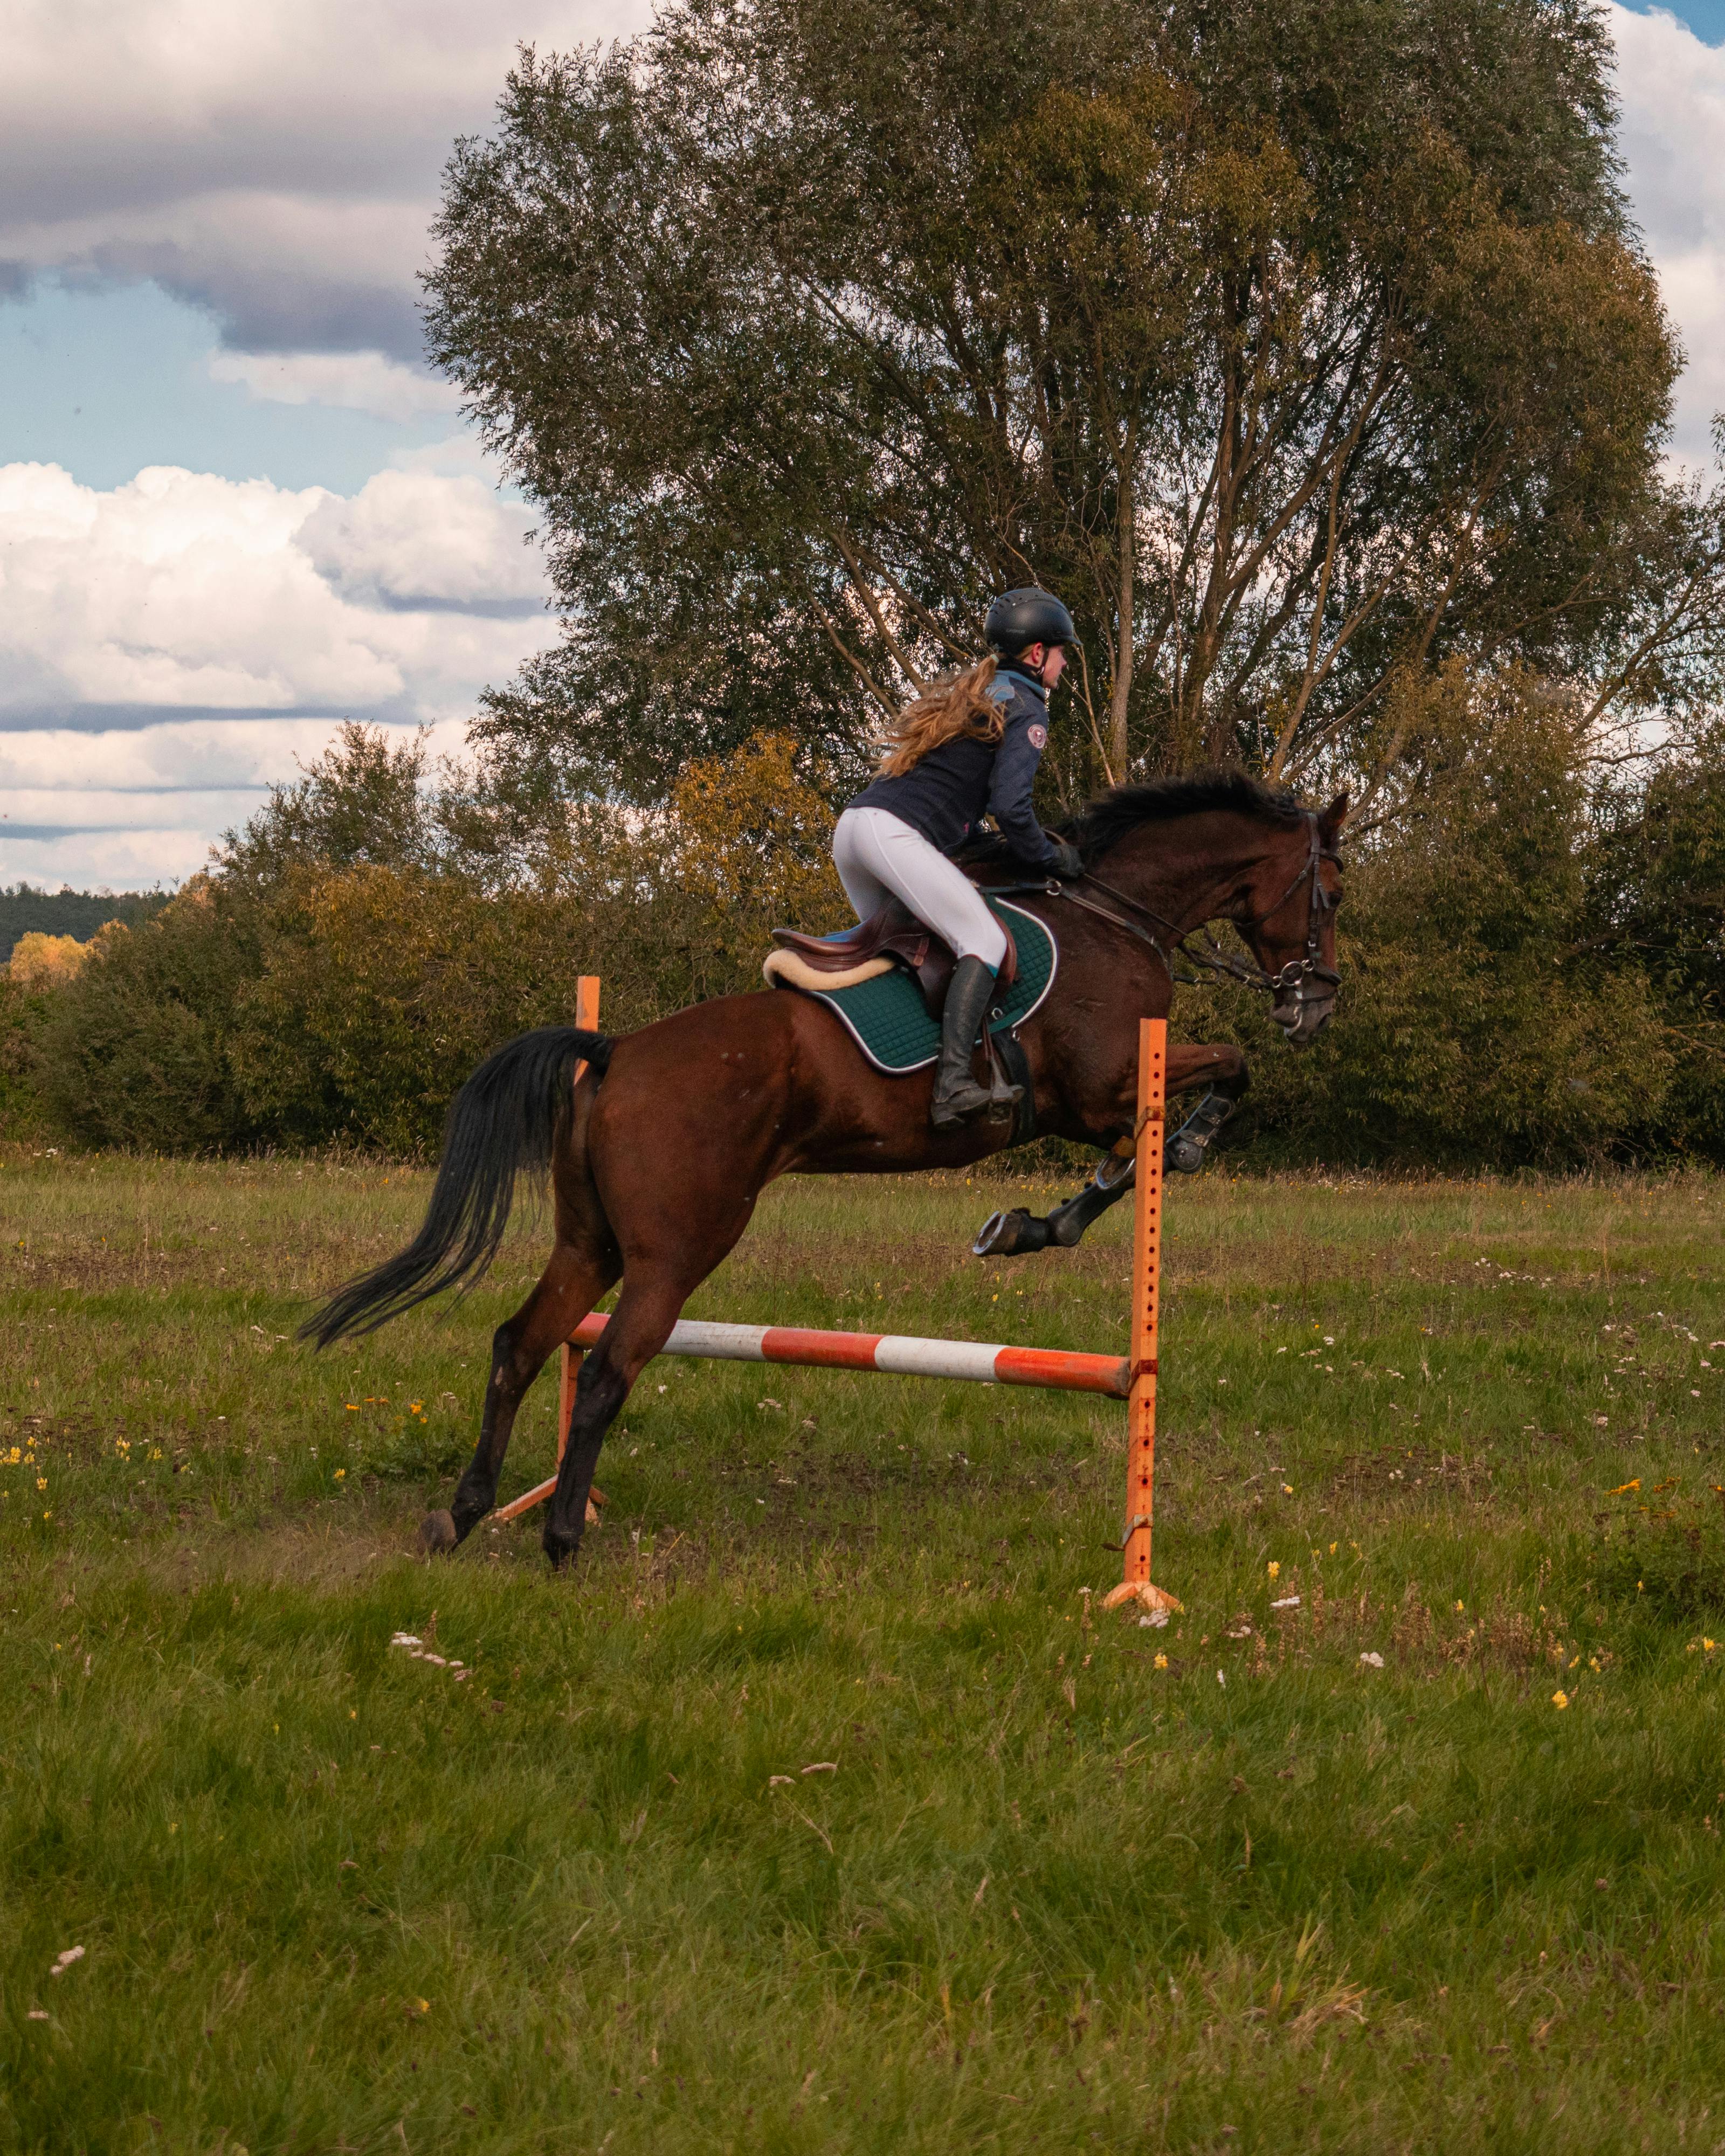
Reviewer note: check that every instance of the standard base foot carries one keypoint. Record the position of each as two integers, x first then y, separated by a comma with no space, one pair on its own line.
437,1533
1141,1591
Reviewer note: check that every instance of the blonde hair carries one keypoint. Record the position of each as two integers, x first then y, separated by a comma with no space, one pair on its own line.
957,704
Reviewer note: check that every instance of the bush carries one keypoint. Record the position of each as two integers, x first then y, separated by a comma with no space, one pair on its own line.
136,1050
22,1113
393,981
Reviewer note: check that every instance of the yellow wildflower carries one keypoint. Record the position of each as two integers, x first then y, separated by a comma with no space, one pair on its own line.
1275,1569
1162,1661
1560,1699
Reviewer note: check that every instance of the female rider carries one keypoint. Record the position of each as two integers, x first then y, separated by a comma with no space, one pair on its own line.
966,747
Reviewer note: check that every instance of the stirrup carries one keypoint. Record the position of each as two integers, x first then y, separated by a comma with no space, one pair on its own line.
1003,1096
948,1111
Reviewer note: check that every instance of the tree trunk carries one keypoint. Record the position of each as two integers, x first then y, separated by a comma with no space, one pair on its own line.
1126,526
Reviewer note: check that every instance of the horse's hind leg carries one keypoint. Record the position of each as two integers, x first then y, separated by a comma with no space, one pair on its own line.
656,1283
1218,1065
638,1328
567,1291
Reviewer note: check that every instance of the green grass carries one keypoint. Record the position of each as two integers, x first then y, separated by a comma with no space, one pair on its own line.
333,1897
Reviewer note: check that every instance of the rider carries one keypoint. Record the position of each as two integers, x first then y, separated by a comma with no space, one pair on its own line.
969,745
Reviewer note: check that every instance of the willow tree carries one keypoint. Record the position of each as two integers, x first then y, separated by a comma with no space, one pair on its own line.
1302,346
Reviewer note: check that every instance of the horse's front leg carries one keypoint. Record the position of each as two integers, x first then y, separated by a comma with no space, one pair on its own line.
1014,1234
1219,1066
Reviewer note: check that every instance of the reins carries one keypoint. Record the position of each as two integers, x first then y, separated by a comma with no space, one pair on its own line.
1310,967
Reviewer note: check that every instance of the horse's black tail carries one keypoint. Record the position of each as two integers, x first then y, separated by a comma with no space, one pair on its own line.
504,1119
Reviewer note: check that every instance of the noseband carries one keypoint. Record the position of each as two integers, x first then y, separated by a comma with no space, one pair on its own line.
1291,978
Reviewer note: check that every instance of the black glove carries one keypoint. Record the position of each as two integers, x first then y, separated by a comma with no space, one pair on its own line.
1068,862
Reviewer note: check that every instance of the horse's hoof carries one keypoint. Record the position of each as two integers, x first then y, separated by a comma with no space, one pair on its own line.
1010,1235
437,1533
560,1552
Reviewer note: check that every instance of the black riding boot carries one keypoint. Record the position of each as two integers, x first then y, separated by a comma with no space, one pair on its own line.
957,1095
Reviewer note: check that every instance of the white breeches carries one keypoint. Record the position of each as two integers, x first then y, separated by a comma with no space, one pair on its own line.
879,856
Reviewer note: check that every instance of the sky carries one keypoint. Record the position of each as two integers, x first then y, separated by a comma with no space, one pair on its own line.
234,507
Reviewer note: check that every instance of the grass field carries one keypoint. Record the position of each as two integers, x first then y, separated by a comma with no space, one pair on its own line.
822,1810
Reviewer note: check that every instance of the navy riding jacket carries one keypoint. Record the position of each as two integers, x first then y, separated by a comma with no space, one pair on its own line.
946,795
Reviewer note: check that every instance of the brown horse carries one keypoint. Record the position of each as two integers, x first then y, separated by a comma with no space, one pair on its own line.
657,1156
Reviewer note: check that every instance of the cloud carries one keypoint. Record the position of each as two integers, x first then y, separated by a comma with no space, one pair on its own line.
129,809
277,164
1672,89
184,592
412,538
129,860
354,381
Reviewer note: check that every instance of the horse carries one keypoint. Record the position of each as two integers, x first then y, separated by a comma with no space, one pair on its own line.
660,1152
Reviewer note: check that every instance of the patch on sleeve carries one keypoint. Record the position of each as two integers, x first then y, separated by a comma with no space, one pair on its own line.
1037,737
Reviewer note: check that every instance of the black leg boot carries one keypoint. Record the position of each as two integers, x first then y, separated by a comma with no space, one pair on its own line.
957,1095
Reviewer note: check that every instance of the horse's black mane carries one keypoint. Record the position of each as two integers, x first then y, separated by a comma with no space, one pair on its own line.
1108,819
1112,816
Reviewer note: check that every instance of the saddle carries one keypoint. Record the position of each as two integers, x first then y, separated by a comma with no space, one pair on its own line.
893,937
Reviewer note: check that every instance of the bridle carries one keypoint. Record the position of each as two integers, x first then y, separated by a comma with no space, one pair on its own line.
1293,976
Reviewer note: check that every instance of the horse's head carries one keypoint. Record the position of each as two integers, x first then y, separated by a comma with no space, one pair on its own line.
1176,853
1288,914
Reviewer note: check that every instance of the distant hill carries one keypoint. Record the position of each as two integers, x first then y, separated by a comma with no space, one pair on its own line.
68,912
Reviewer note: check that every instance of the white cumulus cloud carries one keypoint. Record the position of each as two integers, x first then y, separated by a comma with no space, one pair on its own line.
184,591
123,809
1672,88
410,537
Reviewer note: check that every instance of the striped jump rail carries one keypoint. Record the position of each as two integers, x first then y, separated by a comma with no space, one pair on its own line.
893,1354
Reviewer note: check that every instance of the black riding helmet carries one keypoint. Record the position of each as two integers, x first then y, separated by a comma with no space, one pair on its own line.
1027,616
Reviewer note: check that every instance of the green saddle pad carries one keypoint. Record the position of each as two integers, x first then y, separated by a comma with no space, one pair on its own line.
890,1021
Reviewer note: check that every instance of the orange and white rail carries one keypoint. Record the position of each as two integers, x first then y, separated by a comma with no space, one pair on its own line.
895,1354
